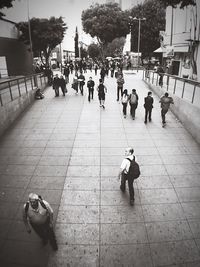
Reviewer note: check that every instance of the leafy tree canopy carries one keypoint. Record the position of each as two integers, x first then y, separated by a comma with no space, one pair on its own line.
46,34
115,48
174,3
94,51
154,12
106,22
5,3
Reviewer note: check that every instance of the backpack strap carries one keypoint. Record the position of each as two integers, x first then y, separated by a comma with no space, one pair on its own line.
26,207
42,203
130,159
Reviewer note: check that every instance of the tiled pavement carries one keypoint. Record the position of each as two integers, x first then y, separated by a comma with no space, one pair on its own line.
69,151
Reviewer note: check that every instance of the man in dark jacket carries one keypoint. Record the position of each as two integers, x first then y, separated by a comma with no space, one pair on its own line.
56,84
90,86
148,105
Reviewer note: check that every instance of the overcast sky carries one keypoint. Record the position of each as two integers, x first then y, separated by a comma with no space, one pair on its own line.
70,10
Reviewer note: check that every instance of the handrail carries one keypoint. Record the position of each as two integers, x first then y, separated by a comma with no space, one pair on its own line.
21,77
14,88
184,88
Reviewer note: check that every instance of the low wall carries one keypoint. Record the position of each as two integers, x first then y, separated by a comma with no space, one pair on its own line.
186,112
13,109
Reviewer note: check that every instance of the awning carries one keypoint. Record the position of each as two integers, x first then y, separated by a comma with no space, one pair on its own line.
181,49
176,49
160,50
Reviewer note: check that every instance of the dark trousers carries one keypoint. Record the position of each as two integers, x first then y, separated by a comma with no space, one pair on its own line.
119,90
132,109
130,180
81,88
163,113
56,90
45,232
161,80
90,93
124,108
148,114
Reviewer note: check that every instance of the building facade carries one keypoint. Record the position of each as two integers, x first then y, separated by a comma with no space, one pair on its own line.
181,47
15,59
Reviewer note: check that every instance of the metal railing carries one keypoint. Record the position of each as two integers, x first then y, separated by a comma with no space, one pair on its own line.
11,89
181,87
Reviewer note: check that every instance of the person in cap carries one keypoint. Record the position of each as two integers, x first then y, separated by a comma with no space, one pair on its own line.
38,214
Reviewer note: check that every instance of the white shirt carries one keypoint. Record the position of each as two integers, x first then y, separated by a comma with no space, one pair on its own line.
126,164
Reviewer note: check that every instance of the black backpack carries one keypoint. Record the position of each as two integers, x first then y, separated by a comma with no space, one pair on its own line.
134,170
41,202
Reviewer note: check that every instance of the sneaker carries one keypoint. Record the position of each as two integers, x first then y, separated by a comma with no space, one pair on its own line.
131,202
145,122
103,106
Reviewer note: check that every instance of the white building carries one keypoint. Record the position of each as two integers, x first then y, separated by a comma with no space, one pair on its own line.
179,36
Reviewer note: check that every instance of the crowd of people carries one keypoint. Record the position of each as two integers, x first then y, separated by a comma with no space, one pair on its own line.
77,70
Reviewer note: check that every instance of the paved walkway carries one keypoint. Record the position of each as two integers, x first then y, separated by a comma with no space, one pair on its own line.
69,151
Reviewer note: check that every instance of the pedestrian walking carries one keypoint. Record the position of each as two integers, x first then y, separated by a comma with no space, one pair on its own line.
102,90
160,72
120,83
56,85
148,105
129,170
63,85
90,86
165,102
95,68
75,83
66,73
133,102
102,73
124,100
81,79
39,214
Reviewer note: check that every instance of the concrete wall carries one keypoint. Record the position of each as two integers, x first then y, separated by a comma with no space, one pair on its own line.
186,112
13,109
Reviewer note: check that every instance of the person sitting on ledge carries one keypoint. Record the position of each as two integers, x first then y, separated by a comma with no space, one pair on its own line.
39,94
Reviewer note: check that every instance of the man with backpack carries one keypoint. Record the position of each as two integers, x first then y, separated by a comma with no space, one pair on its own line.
133,101
39,214
129,171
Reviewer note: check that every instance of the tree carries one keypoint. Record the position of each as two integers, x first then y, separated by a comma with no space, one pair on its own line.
84,52
182,3
76,43
94,51
5,3
46,34
154,12
115,48
106,22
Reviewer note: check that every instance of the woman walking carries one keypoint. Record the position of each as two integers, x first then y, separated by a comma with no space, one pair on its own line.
102,90
124,100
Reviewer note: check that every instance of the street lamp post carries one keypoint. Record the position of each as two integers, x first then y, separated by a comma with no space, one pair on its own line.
139,26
